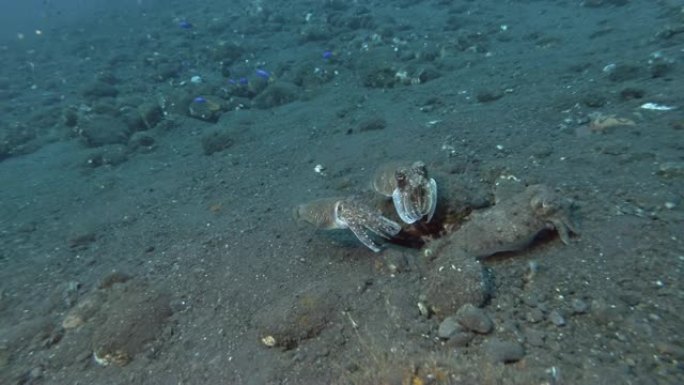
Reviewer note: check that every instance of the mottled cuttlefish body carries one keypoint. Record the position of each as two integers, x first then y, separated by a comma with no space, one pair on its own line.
413,192
348,213
514,222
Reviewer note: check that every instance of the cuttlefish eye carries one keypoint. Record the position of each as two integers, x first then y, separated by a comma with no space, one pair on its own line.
420,169
400,176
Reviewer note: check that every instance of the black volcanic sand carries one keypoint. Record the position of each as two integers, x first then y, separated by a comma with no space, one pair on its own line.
147,237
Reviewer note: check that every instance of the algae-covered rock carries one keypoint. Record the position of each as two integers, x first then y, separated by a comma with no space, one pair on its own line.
207,108
101,130
295,318
216,140
455,279
132,316
276,94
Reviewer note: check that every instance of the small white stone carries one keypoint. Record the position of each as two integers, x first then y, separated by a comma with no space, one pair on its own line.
609,68
320,169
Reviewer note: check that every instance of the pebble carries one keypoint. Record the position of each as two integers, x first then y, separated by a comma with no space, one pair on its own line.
461,339
505,352
453,331
557,318
448,328
474,319
579,306
535,337
535,315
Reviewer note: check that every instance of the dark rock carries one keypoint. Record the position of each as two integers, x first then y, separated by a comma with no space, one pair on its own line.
103,129
141,142
624,72
671,169
315,32
607,314
460,339
474,319
99,90
486,96
132,317
208,108
448,328
113,278
427,73
504,352
535,315
276,94
106,156
151,114
70,118
381,77
216,140
372,124
82,241
166,71
107,78
535,337
557,318
449,288
579,306
632,93
297,317
227,52
594,100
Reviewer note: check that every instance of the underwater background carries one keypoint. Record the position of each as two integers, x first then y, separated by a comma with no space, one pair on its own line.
342,192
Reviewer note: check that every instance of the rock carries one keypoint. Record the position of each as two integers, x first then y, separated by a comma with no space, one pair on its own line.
276,94
297,317
557,318
486,95
671,169
505,352
535,315
448,328
535,337
216,141
372,124
474,319
113,278
72,321
151,114
142,143
102,130
82,241
99,89
460,339
579,306
208,108
457,335
132,316
110,155
455,280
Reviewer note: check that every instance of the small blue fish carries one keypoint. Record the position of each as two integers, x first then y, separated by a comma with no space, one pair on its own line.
327,54
199,99
185,24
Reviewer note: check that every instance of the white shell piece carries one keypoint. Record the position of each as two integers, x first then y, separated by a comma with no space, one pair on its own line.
656,107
